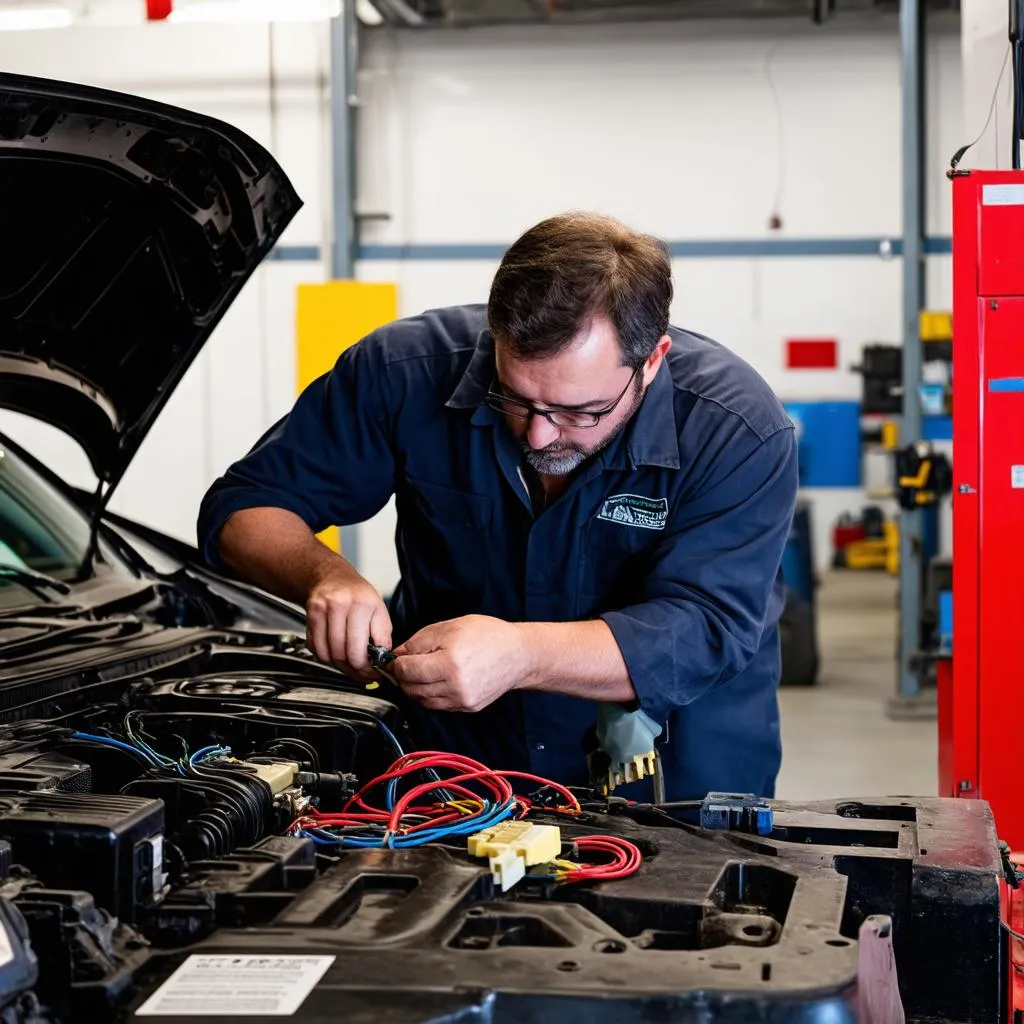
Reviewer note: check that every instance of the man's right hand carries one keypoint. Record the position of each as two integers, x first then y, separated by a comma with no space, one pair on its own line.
276,550
343,614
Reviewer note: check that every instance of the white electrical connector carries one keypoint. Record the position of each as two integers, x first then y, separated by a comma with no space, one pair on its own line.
278,775
514,846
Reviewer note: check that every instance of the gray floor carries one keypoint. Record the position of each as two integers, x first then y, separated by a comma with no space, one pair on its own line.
837,740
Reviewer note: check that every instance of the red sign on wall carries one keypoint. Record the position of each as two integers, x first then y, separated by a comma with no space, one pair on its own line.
158,10
812,353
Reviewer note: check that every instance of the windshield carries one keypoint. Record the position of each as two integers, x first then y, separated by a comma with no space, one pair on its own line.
39,528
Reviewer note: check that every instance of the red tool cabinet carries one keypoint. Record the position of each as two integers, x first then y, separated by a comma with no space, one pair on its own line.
981,717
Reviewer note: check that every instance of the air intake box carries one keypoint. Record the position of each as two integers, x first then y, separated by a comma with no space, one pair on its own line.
111,846
27,770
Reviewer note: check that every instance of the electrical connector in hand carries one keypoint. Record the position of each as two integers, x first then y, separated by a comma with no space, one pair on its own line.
514,846
380,659
625,751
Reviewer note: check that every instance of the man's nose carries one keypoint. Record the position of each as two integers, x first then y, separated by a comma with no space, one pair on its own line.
541,432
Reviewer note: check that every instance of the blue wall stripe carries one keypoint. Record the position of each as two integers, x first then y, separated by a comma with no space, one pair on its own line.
295,253
725,248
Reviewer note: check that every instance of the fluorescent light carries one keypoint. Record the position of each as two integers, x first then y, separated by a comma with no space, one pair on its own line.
20,19
254,10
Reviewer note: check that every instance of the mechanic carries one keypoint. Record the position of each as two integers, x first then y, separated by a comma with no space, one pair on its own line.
592,507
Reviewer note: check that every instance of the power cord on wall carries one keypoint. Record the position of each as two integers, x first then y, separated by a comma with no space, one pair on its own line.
1017,43
959,154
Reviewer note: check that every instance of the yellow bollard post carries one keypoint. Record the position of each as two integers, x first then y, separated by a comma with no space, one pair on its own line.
329,317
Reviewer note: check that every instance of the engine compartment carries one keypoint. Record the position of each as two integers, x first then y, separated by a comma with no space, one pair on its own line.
170,837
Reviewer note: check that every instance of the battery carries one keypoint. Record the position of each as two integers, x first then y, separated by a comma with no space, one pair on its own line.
111,845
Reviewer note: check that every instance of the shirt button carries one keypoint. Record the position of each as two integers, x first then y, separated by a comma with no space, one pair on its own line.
539,746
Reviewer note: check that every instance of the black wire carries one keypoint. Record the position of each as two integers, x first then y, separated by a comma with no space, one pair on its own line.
959,154
1010,931
307,748
1018,121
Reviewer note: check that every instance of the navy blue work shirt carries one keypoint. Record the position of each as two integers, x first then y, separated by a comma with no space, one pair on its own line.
673,535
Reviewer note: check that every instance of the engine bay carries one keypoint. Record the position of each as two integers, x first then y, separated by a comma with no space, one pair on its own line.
199,823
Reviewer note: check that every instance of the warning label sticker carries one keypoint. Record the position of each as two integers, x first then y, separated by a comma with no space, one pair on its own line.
1002,195
237,986
1017,477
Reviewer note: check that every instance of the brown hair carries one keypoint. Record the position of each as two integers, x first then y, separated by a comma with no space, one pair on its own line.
571,268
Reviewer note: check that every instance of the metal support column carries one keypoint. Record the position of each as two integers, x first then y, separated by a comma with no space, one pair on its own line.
344,98
912,47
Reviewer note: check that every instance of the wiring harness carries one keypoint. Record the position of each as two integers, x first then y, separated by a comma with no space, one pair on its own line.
409,820
626,860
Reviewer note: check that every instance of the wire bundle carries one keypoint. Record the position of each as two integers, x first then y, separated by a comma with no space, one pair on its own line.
134,744
625,860
405,822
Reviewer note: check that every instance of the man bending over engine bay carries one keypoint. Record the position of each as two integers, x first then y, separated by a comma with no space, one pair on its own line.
592,509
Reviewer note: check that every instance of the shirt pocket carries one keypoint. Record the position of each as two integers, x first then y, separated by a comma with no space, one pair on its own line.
449,539
614,564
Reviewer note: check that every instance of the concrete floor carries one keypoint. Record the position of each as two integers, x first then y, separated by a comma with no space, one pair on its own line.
837,740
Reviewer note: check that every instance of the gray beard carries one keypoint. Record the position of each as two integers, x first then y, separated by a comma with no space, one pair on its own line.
561,460
557,462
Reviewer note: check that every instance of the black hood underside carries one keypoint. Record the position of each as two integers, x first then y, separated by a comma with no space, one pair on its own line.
128,229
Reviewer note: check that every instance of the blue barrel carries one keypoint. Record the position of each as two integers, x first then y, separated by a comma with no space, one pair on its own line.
829,442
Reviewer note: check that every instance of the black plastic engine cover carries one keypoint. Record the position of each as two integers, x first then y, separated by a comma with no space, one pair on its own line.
714,927
112,844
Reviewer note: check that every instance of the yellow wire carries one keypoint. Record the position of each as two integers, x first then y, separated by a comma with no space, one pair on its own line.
466,806
565,865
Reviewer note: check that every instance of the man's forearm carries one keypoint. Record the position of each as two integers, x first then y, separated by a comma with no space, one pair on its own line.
579,659
276,550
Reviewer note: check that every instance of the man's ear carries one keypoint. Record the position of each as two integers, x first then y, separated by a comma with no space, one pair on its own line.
655,358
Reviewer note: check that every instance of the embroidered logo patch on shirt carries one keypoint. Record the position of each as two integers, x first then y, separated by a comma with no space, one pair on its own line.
635,510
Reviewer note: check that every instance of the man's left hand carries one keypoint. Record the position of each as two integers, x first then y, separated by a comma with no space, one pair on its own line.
463,664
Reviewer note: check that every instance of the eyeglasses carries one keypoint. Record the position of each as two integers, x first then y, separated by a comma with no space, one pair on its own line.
570,418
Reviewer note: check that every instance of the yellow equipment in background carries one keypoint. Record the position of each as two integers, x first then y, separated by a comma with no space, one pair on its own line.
876,552
329,317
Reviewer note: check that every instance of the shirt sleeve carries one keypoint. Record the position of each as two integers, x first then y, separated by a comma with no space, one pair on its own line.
709,590
330,460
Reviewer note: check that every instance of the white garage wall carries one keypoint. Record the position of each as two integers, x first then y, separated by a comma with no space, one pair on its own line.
276,91
694,131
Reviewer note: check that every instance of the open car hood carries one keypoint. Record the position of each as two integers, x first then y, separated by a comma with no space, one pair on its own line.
128,229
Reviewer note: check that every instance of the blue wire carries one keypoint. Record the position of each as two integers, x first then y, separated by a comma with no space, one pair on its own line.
207,752
392,738
431,773
160,759
484,819
111,742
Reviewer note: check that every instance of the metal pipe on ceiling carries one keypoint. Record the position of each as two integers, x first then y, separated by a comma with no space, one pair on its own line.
490,13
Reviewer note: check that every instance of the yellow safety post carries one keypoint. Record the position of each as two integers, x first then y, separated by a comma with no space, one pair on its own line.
329,317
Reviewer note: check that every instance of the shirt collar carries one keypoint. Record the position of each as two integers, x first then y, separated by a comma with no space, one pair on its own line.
472,388
650,438
652,435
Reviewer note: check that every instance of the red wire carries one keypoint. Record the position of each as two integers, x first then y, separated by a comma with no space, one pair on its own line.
357,810
427,759
626,859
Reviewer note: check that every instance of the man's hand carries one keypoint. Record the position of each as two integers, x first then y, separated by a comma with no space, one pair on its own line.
463,664
343,614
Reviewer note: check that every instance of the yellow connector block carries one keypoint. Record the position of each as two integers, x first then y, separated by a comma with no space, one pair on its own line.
514,846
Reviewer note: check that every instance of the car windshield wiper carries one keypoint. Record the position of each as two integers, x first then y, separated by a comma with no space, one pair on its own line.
38,582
